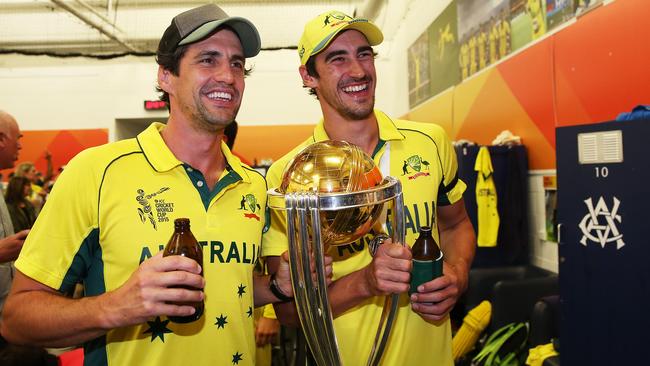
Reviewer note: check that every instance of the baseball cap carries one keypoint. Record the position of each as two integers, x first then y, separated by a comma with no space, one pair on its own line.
198,23
320,31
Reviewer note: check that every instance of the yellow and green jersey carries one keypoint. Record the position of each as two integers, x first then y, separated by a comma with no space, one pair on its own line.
464,60
537,13
482,43
494,43
114,207
473,55
504,38
422,158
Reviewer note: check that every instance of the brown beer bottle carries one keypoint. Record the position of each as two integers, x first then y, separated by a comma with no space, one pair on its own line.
427,259
184,243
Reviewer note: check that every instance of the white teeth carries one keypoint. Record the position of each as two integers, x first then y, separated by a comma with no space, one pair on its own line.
220,95
355,88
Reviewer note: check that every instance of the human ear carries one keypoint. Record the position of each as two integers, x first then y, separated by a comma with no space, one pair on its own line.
307,80
164,78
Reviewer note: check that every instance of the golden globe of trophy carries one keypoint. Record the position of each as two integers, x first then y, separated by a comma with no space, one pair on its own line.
334,194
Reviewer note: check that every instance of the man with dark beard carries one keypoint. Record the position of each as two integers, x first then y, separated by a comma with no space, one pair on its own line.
337,65
114,208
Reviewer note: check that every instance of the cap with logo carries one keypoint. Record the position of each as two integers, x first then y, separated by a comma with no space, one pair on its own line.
320,31
196,24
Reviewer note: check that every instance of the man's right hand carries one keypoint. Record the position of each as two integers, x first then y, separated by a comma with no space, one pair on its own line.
11,245
390,270
148,292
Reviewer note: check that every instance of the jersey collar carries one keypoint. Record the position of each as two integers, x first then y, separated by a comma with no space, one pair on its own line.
387,129
162,159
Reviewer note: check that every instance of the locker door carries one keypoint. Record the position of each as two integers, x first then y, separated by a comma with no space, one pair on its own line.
603,175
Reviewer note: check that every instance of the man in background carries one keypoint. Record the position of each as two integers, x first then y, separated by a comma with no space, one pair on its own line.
10,243
10,246
338,67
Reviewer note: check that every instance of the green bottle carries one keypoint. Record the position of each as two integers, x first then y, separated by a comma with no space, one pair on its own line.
427,259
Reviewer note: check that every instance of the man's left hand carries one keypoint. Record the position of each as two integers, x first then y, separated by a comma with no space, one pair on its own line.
435,299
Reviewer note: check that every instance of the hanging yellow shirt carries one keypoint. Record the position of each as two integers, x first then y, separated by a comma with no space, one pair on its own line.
486,200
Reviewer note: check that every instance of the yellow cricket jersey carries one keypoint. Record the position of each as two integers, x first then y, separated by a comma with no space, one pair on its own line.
494,43
114,206
486,200
537,14
504,38
422,158
464,60
473,54
482,48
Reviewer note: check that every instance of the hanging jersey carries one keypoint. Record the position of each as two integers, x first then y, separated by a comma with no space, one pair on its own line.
486,200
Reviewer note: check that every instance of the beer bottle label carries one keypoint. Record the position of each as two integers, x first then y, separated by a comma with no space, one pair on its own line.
424,271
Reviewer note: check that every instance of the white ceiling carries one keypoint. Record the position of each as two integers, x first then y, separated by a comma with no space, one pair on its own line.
109,27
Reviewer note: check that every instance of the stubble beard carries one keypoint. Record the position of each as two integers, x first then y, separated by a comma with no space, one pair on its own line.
209,121
356,114
350,110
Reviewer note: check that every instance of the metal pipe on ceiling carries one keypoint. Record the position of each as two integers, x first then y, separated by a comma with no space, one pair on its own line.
91,23
98,14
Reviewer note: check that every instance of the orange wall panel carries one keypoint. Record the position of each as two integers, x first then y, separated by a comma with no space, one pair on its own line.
590,71
529,77
264,142
465,95
602,63
496,109
438,111
62,144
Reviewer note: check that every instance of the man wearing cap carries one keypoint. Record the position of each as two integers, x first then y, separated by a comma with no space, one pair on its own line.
113,211
337,65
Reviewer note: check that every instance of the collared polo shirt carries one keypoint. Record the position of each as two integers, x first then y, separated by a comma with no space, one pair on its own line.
114,207
421,156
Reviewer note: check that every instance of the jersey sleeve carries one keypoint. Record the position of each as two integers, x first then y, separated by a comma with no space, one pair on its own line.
274,240
59,248
451,188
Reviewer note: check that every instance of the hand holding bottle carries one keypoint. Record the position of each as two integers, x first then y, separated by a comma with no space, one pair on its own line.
427,260
436,298
152,289
184,244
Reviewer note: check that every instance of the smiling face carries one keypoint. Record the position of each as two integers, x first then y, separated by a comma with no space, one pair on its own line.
210,82
347,76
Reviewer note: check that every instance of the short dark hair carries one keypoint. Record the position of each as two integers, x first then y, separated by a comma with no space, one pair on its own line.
170,62
231,133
